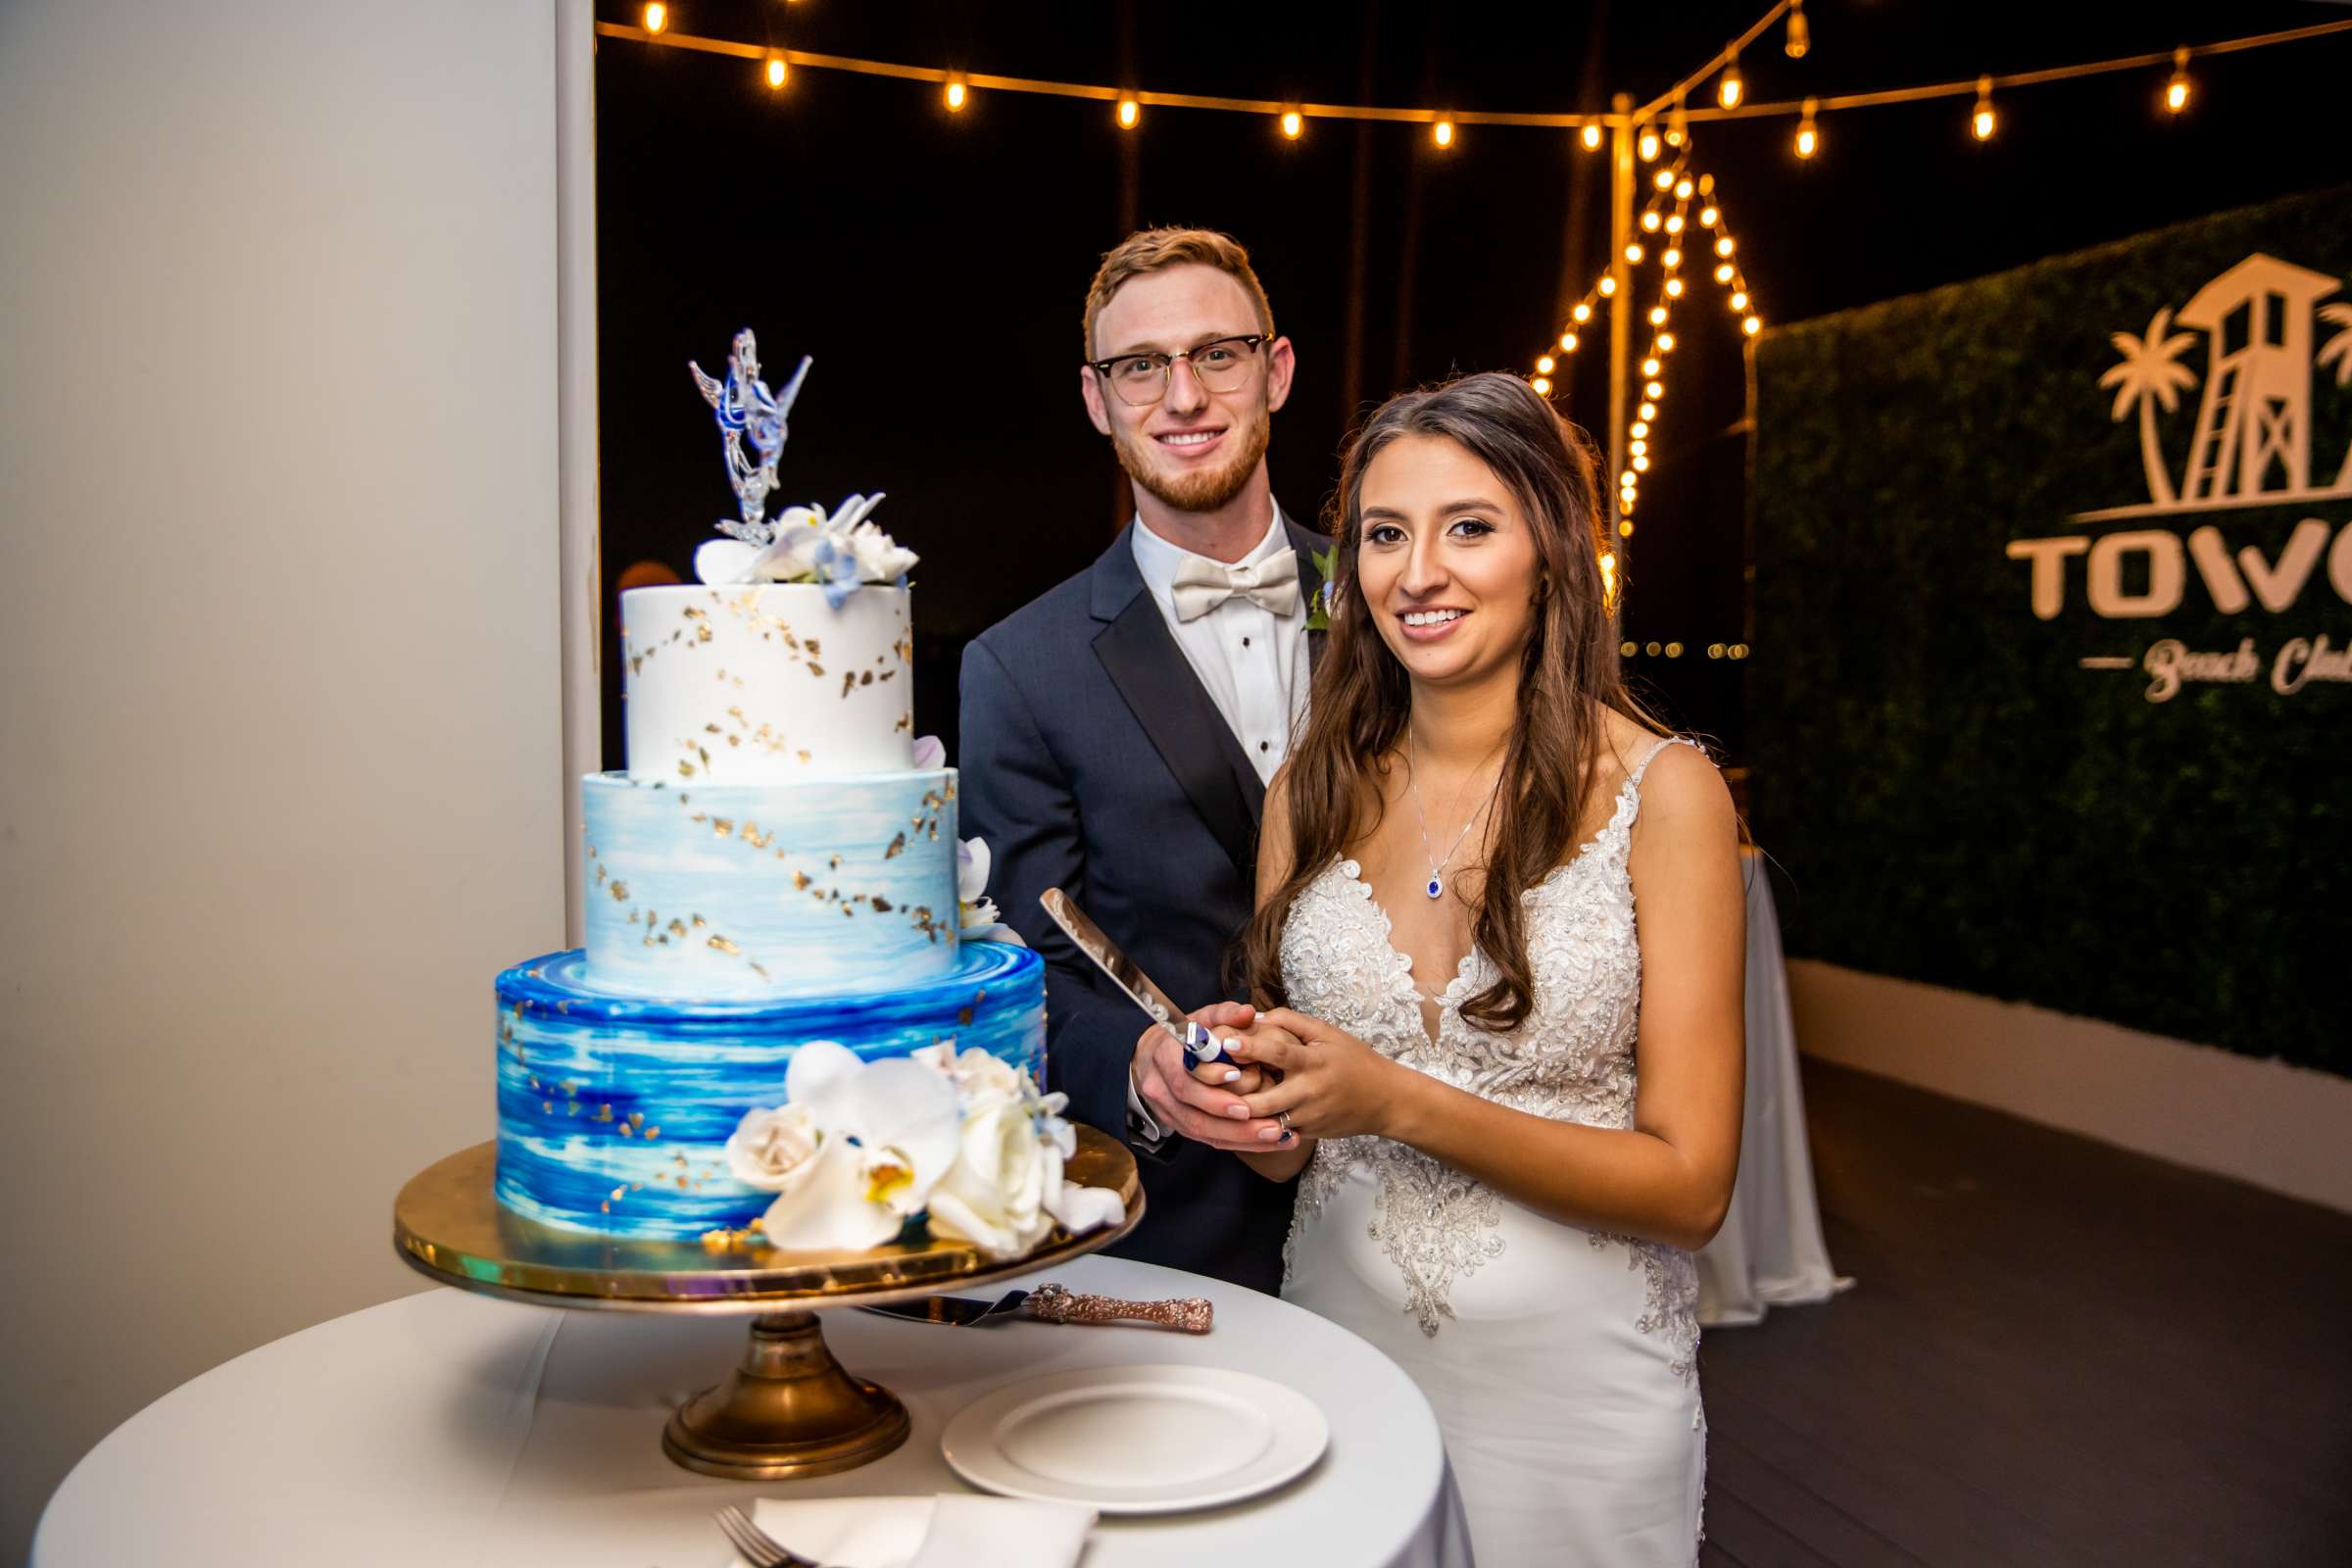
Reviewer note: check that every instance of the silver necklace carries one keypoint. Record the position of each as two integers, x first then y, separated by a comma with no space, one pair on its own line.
1434,887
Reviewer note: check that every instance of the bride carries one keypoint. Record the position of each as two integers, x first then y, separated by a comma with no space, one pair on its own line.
1515,1105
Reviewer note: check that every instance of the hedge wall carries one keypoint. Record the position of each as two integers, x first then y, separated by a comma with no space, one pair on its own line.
1955,799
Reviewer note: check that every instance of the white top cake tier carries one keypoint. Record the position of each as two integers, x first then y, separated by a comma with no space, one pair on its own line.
763,683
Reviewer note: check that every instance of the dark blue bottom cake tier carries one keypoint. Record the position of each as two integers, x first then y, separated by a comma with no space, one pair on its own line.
614,1110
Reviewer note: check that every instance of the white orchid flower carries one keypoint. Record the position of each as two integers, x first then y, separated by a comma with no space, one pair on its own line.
889,1132
978,918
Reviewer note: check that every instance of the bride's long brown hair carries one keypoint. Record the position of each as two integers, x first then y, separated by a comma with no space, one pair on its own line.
1361,697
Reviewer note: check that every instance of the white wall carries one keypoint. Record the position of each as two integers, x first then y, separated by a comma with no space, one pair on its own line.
281,781
2281,1127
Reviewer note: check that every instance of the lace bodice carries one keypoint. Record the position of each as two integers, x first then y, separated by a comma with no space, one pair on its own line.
1571,1061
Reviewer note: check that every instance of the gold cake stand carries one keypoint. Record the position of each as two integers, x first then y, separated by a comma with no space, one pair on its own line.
789,1409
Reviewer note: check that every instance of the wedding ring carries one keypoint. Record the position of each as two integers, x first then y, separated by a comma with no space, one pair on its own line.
1284,1117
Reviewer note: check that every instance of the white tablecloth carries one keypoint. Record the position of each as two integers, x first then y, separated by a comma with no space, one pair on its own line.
1769,1251
454,1430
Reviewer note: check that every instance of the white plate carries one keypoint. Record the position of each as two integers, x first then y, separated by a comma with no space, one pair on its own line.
1137,1439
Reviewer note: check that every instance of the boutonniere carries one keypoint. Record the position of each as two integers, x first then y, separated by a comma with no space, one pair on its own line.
1318,604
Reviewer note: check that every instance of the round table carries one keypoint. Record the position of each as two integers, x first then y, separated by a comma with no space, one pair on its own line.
448,1428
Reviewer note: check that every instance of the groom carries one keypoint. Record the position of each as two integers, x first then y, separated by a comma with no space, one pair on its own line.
1119,730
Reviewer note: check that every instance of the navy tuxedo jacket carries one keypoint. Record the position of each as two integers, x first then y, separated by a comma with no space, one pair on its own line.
1094,760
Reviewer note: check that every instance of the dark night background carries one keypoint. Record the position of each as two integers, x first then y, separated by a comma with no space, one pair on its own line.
935,263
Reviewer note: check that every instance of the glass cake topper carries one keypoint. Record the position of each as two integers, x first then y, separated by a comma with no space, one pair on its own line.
802,545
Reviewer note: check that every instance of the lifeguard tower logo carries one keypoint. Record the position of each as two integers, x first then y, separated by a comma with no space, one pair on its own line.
2266,339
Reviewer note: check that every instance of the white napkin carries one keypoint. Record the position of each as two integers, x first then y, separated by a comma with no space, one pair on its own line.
951,1529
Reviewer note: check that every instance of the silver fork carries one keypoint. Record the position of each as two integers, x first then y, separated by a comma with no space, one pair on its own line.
755,1545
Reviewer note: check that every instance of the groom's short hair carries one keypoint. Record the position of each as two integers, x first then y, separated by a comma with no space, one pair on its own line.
1155,250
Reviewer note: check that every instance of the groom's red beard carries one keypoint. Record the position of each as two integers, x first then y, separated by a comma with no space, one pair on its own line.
1204,491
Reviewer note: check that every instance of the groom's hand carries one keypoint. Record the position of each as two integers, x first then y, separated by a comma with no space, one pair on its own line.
1206,1113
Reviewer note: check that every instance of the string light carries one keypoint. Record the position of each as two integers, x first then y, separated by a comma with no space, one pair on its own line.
777,70
1545,365
1751,326
1800,36
1293,123
1808,136
1654,391
1666,341
1672,258
1650,221
958,93
1723,272
1129,112
1673,288
1583,311
657,17
1608,285
1541,385
1646,144
1657,318
2176,91
1633,253
1740,300
1652,366
1707,216
1724,245
1568,342
1729,89
1678,123
1674,224
1443,133
1591,137
1981,122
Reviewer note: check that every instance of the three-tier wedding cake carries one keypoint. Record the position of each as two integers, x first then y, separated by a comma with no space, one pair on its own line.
775,879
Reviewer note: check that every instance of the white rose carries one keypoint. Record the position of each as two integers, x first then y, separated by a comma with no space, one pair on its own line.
880,557
773,1151
994,1194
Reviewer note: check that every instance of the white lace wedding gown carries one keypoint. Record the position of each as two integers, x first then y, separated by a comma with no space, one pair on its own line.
1562,1363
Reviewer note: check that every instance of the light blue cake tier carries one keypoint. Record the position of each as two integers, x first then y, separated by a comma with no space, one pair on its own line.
614,1110
817,888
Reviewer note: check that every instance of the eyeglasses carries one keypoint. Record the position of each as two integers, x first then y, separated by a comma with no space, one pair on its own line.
1220,367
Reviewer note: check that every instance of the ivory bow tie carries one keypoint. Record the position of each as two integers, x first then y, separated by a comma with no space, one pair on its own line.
1271,584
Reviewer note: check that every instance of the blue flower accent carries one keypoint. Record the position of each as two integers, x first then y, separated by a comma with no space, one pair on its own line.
836,571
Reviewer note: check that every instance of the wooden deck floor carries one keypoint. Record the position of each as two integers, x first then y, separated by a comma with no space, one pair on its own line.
2058,1352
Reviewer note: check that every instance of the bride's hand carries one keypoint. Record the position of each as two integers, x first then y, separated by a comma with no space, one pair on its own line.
1333,1084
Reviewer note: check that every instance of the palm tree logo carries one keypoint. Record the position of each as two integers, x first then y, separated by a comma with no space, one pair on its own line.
2151,375
2338,351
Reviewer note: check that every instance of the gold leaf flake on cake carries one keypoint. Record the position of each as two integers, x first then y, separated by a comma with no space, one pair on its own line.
849,680
755,838
816,669
804,757
711,729
905,725
760,969
800,879
620,892
685,769
570,1089
721,943
881,905
652,1133
897,846
699,921
628,1131
866,679
723,826
677,928
603,1113
814,651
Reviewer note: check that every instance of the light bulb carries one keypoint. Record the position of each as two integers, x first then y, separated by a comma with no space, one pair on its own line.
777,70
1723,274
1640,464
1638,448
1608,285
1641,427
1646,144
2176,91
1633,252
1707,216
1665,179
1649,221
1293,124
1647,411
1625,529
1682,191
1981,122
1808,136
1590,136
1583,311
1665,342
1652,365
1625,480
1674,224
1129,112
1543,387
1724,245
1654,391
1740,300
1729,90
1657,315
1442,133
1673,288
1677,124
1547,365
957,94
1800,36
656,18
1568,342
1672,257
1752,326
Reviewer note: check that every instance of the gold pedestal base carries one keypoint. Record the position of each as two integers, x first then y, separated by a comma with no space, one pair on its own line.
789,1410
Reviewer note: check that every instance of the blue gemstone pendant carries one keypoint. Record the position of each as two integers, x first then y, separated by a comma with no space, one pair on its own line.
1436,888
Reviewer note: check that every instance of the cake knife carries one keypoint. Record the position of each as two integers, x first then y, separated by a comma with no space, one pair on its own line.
1198,1044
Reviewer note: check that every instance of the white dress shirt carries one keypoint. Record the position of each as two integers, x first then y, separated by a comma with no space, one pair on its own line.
1252,661
1254,665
